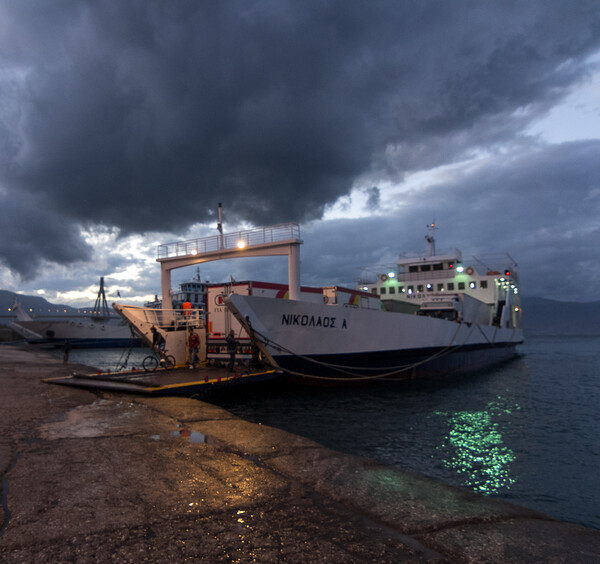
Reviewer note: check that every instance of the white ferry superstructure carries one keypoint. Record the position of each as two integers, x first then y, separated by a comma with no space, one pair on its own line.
436,284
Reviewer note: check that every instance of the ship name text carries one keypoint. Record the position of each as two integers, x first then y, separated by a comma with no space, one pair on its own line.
313,321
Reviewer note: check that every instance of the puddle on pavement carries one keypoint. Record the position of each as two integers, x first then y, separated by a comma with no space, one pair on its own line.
191,436
102,418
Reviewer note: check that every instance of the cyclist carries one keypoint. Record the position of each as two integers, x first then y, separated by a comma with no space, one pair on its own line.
158,343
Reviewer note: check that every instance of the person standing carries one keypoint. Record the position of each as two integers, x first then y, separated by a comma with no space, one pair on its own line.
66,350
193,346
231,349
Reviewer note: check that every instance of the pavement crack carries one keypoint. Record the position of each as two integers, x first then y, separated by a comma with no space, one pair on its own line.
5,491
475,521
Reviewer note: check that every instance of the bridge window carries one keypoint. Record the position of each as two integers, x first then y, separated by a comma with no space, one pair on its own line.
420,288
382,290
411,289
483,284
450,286
461,285
392,290
413,269
438,266
440,287
425,267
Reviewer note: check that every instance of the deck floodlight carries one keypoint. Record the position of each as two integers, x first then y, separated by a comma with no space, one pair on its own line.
241,245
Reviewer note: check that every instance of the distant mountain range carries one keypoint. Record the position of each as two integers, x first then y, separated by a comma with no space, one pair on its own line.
551,317
540,316
38,306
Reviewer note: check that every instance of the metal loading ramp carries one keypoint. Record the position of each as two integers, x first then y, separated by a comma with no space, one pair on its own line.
177,382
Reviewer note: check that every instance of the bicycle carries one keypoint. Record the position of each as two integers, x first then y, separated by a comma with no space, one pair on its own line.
154,360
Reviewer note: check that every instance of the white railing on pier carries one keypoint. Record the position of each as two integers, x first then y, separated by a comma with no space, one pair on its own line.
228,241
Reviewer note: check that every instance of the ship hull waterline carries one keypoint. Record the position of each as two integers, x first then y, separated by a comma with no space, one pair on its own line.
325,345
74,343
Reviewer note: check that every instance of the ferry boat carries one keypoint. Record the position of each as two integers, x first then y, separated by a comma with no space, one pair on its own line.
435,314
101,328
432,314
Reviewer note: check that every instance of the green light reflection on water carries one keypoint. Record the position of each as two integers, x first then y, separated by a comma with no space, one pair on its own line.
475,449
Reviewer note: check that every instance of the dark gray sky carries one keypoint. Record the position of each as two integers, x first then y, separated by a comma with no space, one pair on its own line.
124,123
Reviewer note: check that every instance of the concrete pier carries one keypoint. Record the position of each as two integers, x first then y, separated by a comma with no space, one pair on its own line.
97,476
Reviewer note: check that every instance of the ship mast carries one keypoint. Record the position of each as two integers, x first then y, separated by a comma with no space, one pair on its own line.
431,239
101,307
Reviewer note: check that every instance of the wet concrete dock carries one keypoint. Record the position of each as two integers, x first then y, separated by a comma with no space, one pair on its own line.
98,476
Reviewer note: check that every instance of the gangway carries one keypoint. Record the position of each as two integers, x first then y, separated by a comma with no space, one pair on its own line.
172,324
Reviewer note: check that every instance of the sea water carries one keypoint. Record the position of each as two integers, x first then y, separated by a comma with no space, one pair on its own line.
105,359
526,431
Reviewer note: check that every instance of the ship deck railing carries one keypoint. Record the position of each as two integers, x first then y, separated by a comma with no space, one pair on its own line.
230,241
440,255
493,262
166,319
483,265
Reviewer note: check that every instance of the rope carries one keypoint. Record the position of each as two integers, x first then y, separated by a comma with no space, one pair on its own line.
493,341
485,336
124,359
354,376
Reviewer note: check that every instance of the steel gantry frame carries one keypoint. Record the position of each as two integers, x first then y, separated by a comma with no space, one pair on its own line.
275,240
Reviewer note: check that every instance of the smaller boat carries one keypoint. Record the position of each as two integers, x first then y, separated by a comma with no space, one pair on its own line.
192,291
101,328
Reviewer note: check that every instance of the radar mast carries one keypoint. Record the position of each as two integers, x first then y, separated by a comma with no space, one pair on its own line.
431,239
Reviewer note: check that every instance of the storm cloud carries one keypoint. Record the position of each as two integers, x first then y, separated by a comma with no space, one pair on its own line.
143,115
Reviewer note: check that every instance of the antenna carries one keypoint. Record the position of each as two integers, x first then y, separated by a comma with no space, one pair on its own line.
220,224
